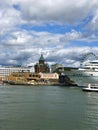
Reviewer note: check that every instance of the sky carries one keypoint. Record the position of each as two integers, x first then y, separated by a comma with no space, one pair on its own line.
63,31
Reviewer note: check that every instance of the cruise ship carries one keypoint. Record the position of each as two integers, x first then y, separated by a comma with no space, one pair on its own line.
84,75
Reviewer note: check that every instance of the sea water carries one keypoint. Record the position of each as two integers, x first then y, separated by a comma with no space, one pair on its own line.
47,108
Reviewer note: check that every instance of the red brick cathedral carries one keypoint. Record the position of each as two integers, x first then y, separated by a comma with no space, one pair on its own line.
42,66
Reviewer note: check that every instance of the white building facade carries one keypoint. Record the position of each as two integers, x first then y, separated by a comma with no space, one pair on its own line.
5,71
47,76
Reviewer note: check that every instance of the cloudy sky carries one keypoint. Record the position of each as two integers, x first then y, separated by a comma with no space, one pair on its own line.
63,30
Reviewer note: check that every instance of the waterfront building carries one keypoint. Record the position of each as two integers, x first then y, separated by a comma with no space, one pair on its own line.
54,67
28,78
22,78
42,66
5,71
51,77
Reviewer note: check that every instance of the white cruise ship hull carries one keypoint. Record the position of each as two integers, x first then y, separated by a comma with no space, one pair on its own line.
82,77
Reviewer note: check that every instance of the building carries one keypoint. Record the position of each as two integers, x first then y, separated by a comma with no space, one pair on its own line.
5,71
22,78
28,78
54,67
42,66
49,76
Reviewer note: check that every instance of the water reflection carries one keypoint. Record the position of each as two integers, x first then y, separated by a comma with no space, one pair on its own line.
47,108
91,113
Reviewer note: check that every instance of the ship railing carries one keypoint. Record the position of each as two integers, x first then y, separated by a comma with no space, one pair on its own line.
91,84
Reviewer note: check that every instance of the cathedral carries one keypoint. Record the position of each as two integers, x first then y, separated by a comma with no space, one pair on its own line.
42,66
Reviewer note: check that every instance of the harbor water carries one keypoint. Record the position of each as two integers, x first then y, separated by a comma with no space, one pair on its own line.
47,108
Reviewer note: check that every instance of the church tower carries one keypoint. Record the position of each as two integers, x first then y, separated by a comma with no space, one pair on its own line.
41,60
42,66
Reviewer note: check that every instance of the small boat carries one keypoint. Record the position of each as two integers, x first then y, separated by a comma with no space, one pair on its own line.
91,88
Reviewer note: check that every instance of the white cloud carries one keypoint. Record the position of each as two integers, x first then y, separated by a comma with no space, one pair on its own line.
93,24
40,12
73,35
71,56
8,18
60,11
21,46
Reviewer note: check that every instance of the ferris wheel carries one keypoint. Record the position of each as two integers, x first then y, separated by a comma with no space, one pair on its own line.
88,57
